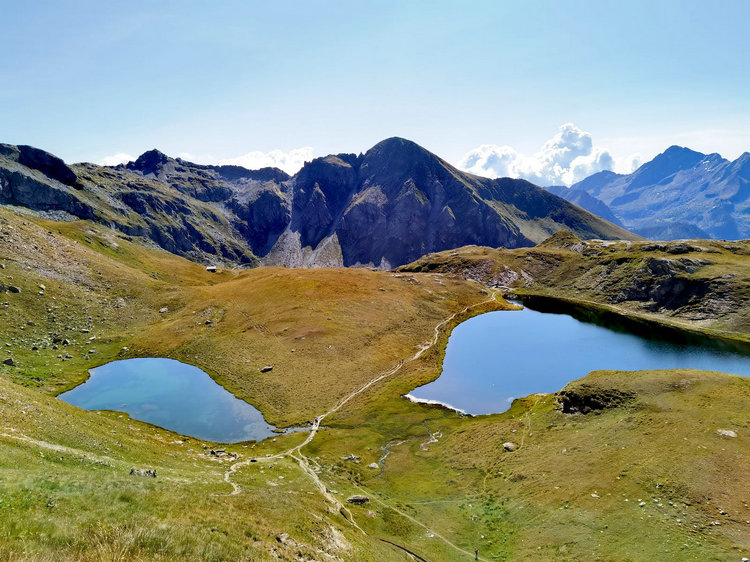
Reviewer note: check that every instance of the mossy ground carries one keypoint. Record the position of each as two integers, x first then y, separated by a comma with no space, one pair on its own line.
66,492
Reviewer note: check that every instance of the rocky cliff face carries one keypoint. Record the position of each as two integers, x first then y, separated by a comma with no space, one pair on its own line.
383,208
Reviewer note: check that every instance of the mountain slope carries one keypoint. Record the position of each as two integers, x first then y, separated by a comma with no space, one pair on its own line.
679,194
384,208
586,201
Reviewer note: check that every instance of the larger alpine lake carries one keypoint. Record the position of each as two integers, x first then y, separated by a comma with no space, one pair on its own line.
172,395
498,356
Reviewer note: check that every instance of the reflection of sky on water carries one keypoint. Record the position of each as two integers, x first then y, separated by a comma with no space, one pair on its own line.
172,395
492,358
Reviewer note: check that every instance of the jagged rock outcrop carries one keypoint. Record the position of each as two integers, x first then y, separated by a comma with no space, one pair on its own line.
585,398
32,178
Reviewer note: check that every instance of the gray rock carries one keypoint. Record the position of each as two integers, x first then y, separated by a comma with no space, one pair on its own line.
9,361
373,465
14,289
266,369
358,499
510,446
726,433
163,310
147,472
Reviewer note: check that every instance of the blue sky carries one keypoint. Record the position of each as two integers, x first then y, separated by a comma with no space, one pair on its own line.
216,80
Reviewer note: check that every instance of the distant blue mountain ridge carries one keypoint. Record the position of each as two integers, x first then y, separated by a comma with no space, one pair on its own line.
681,193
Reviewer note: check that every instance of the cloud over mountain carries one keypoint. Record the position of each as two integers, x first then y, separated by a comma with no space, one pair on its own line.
115,159
290,162
566,158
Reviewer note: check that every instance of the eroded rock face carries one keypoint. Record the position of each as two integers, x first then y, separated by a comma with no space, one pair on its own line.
587,398
50,165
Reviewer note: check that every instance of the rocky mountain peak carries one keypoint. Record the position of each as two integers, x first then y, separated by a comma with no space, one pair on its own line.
397,159
676,158
149,162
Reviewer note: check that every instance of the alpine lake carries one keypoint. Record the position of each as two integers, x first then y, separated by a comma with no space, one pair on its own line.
496,357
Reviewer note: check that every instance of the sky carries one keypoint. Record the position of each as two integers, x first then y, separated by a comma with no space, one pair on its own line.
545,90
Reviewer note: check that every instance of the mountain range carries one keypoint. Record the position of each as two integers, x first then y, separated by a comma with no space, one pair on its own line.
681,193
383,208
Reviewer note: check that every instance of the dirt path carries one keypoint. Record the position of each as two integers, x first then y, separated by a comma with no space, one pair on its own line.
305,463
59,448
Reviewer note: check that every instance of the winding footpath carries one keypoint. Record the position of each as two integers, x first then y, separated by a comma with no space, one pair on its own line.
305,463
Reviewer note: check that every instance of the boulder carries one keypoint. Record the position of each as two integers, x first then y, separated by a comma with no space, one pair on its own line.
266,369
510,446
147,472
14,289
585,398
9,361
726,433
358,499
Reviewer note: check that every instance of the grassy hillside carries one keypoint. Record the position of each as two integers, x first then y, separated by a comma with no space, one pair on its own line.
345,345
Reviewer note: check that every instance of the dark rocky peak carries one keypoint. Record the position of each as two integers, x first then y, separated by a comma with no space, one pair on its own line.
339,171
397,152
395,160
335,177
150,162
333,163
36,159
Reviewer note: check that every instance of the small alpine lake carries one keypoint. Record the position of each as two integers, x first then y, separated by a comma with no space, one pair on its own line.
173,395
496,357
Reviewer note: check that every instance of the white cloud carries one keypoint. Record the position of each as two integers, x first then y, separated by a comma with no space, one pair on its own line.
197,158
115,159
290,161
629,164
566,158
